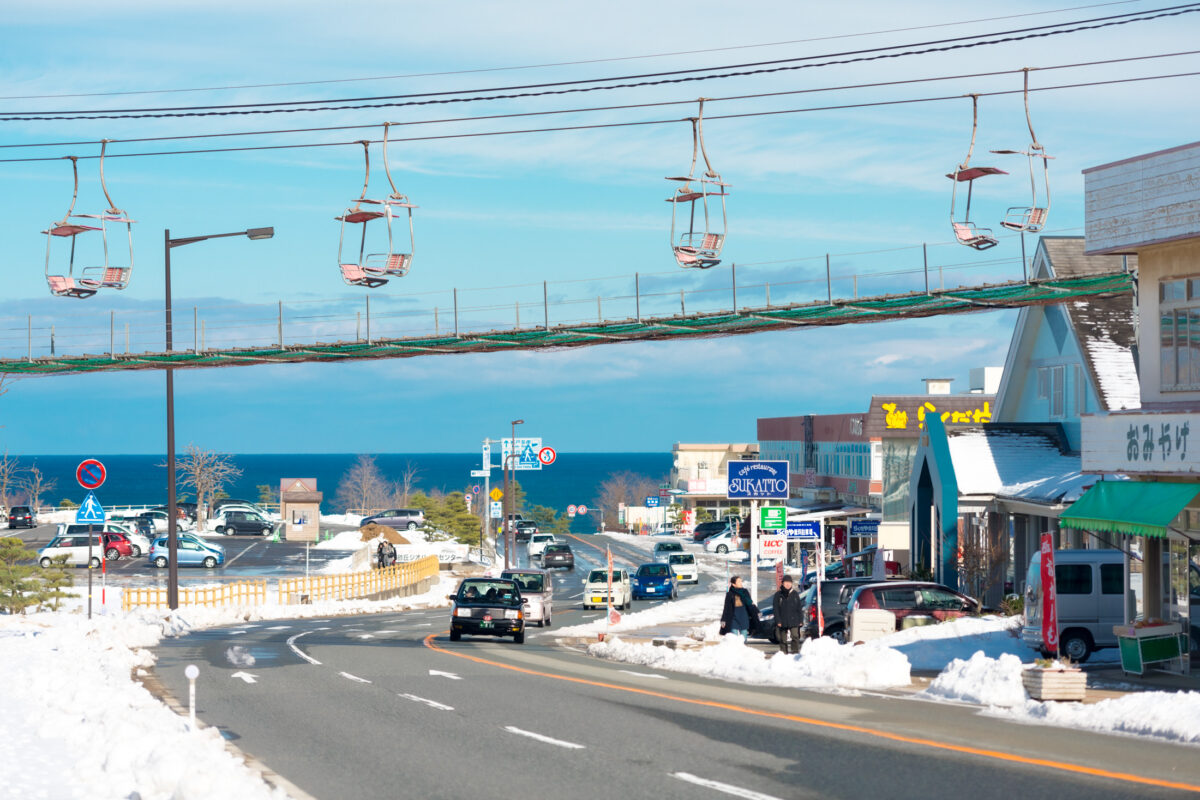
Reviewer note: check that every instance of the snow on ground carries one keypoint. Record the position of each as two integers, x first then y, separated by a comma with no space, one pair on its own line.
996,683
342,519
73,723
932,647
698,608
821,664
346,540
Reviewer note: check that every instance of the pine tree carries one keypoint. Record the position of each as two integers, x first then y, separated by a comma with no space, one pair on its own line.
55,579
18,582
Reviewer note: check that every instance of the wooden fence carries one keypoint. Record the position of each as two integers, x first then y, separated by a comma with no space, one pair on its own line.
351,585
240,593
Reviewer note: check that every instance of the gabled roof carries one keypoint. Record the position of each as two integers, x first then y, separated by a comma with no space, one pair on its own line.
1104,326
1016,462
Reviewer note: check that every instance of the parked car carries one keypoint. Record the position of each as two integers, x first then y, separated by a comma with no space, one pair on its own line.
595,589
537,543
835,597
398,518
525,528
159,520
667,529
684,567
558,555
139,525
22,517
74,547
653,580
707,529
116,545
185,509
721,542
488,607
188,536
912,602
1090,585
233,521
538,589
192,552
217,505
663,550
138,543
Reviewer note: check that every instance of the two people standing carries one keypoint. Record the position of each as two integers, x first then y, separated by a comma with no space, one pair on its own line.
740,616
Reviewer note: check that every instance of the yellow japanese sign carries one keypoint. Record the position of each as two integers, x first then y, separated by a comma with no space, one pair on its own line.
496,495
897,419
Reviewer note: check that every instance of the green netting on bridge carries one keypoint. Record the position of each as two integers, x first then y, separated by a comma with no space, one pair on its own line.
723,323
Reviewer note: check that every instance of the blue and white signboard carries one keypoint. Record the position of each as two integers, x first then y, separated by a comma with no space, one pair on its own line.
864,527
526,452
757,480
497,510
91,512
808,530
652,501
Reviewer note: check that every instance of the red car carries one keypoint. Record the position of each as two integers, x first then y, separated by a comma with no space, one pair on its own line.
116,546
914,599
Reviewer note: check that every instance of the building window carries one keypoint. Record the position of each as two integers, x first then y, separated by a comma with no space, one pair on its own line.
1057,391
1080,391
1179,333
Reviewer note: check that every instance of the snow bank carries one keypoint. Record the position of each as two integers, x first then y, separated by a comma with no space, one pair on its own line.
996,683
821,664
346,540
933,647
698,608
342,519
68,689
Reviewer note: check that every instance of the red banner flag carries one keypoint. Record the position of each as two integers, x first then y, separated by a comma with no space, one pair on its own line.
1049,596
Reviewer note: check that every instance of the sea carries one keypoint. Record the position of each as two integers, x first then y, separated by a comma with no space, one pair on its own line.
573,479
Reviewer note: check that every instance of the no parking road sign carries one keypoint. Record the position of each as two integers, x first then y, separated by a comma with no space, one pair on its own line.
90,473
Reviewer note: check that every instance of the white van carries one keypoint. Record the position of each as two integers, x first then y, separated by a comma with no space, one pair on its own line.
1091,599
75,548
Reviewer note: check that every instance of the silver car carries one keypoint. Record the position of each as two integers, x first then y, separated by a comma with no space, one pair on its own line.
398,518
536,587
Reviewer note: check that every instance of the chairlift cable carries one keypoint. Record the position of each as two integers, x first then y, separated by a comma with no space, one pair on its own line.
633,81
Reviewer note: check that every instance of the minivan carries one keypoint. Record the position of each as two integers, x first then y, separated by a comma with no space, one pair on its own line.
539,589
1090,585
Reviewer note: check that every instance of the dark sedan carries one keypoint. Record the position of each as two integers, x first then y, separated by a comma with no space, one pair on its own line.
525,529
22,517
488,607
558,555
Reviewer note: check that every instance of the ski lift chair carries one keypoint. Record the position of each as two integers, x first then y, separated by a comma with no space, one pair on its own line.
966,231
354,275
700,246
1030,218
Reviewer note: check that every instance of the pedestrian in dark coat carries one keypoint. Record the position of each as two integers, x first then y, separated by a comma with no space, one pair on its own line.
381,553
740,616
789,616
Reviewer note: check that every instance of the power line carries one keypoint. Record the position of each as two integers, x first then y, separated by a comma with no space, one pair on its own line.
632,81
591,109
285,84
601,125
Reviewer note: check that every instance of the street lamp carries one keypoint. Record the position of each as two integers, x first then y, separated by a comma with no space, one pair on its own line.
172,508
510,542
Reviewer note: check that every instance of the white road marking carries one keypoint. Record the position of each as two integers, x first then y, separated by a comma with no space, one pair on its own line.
326,628
424,625
246,676
643,674
239,555
430,703
388,631
235,633
291,642
279,627
546,739
348,676
449,675
365,635
736,791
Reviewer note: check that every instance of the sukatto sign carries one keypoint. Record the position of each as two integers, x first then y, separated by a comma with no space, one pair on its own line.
757,480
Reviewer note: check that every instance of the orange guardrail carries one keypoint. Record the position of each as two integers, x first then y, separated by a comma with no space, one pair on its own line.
350,585
239,593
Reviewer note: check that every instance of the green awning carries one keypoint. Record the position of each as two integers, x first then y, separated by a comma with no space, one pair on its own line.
1134,508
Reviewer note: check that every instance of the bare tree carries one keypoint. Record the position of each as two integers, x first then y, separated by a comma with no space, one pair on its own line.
408,481
625,487
363,487
983,559
207,472
34,484
10,469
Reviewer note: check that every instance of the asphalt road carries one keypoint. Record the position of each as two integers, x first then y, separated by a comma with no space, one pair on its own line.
385,706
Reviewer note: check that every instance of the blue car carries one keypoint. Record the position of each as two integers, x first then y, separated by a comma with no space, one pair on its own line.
653,580
193,552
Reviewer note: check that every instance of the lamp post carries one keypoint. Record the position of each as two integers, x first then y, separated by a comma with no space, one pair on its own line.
172,508
509,539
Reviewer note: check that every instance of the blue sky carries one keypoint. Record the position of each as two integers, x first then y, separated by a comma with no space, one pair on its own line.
499,215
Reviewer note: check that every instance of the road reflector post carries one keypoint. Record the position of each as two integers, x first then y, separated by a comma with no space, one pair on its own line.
192,672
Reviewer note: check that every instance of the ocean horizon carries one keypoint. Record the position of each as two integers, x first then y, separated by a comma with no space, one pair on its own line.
139,479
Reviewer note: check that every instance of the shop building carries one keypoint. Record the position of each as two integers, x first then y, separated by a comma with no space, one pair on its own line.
698,475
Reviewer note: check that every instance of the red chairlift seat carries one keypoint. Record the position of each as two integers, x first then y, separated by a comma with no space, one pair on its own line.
64,286
972,235
972,173
354,275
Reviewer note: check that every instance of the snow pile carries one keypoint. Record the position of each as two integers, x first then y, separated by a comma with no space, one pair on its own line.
932,647
821,664
983,680
698,608
996,683
342,519
68,690
346,540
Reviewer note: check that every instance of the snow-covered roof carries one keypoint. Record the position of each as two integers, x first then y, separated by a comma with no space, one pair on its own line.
1104,326
1016,464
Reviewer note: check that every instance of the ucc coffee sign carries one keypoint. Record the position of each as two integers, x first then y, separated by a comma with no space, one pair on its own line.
757,480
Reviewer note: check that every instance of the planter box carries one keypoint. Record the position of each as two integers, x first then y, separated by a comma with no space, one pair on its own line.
1160,645
1054,684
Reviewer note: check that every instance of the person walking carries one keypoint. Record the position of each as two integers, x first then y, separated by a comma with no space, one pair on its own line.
740,616
381,553
789,616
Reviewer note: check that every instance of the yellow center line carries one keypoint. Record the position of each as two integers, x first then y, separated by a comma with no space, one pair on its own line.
840,726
